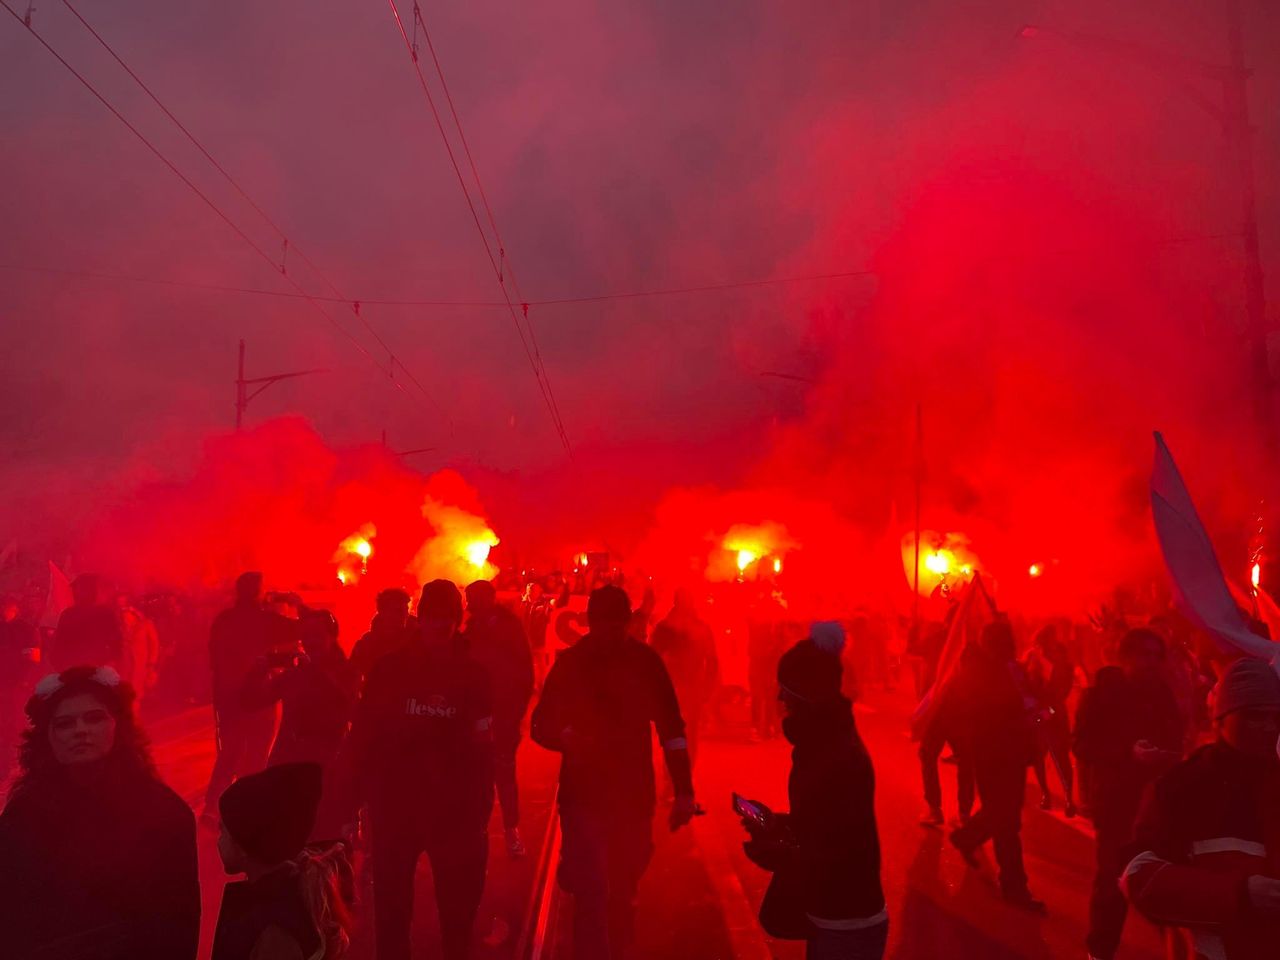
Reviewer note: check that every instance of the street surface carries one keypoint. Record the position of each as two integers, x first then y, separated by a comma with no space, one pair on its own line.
701,893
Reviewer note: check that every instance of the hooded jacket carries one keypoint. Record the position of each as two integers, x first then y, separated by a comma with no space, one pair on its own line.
833,818
1207,826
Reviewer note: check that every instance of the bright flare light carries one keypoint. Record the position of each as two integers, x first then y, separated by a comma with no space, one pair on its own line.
363,549
938,562
777,565
745,559
342,576
477,552
1255,575
1035,570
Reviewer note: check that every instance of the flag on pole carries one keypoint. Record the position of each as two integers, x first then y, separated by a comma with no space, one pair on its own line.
1199,587
974,610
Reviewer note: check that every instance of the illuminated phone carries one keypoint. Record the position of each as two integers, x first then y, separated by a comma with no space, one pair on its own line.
751,811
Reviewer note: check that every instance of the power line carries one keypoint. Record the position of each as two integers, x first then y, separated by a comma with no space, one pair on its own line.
198,192
257,209
392,302
539,372
504,262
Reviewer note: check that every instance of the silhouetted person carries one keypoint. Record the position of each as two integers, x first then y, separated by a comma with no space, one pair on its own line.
599,705
238,640
88,631
1051,675
765,642
1128,732
995,730
97,856
495,639
828,843
141,646
1208,836
316,690
19,646
390,631
943,728
423,744
688,648
291,903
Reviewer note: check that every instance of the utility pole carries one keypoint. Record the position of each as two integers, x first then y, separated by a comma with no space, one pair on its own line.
244,395
1239,133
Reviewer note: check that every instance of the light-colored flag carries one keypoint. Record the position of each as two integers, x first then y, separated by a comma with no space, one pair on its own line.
975,609
1199,587
59,596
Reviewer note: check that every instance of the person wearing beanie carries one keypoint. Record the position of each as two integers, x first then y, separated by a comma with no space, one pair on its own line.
422,741
832,854
239,639
1128,732
288,906
599,706
97,855
496,639
1209,830
993,729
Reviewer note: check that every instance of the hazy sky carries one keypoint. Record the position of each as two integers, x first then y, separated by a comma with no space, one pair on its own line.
623,146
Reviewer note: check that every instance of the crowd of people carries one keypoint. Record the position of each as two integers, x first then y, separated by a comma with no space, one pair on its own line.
329,764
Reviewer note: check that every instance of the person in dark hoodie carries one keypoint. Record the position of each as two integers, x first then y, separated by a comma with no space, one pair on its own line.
833,847
1208,836
423,746
1128,732
495,639
317,693
389,631
995,730
600,704
292,904
88,631
239,638
97,855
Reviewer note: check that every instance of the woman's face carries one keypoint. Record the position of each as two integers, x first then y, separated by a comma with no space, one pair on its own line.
82,730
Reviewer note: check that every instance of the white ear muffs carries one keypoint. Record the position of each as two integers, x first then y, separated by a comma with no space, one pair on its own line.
106,676
48,686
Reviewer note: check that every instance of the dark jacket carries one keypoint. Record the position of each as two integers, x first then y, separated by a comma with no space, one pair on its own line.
238,639
423,738
101,873
989,714
1114,714
497,642
1205,827
257,915
611,692
87,634
833,817
688,648
383,638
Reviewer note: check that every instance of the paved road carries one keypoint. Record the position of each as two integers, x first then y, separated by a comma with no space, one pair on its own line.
700,895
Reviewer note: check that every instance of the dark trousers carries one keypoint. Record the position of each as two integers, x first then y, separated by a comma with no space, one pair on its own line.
504,779
1001,788
458,863
930,750
603,855
1107,904
1055,744
244,743
764,703
865,944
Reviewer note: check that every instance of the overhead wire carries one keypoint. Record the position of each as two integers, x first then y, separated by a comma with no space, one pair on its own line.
244,194
393,302
538,371
504,262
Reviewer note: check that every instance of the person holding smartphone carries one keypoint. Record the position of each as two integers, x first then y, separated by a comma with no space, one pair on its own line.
827,849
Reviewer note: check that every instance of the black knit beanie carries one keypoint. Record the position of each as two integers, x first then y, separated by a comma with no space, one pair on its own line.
271,814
